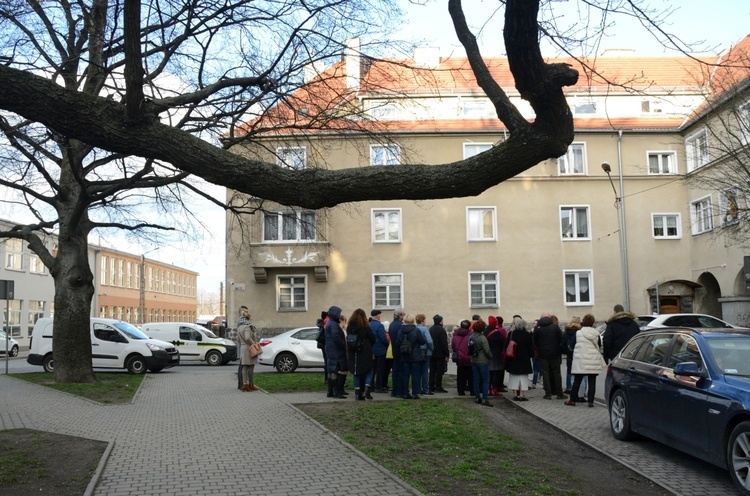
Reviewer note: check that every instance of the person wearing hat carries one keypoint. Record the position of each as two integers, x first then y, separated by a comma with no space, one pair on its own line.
379,371
440,355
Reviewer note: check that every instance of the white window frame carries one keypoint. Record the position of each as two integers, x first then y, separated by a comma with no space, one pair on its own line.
13,254
480,238
577,273
729,207
296,304
13,314
652,106
302,226
573,227
473,108
580,106
669,155
564,162
662,218
701,215
485,285
385,154
389,303
292,157
743,120
468,152
388,228
35,264
697,156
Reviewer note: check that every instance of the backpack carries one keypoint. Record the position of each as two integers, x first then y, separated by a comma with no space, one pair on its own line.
353,342
473,348
321,339
405,346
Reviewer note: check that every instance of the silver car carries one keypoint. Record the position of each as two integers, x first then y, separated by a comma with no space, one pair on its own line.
693,320
12,345
291,350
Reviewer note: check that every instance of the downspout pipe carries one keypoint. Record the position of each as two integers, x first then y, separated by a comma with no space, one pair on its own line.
623,229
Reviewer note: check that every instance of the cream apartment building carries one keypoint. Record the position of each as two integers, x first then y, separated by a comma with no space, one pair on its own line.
547,240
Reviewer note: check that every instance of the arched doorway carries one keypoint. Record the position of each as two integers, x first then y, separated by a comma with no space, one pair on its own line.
674,296
707,297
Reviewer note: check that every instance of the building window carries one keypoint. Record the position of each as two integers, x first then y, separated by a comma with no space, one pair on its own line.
701,215
574,222
483,289
662,163
384,111
386,225
384,155
583,106
574,160
481,223
36,312
35,264
129,275
579,287
651,106
665,226
728,206
696,150
112,271
289,226
471,149
292,293
14,318
121,273
103,277
293,157
743,118
473,108
388,290
13,254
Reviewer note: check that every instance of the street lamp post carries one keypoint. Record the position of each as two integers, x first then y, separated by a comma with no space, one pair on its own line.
620,206
142,302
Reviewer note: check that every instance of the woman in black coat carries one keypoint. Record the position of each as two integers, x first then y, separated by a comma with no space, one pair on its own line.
335,353
519,367
360,359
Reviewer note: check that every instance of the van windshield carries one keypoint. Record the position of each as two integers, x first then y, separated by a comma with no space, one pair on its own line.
130,330
209,334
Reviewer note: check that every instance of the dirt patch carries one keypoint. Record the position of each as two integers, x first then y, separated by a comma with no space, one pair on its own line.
36,462
560,459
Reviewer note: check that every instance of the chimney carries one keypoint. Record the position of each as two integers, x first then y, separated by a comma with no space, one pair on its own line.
312,70
352,62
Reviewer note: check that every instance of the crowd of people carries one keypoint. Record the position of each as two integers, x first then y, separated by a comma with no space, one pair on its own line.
485,353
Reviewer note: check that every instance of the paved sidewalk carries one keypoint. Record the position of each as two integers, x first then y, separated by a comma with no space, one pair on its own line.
191,432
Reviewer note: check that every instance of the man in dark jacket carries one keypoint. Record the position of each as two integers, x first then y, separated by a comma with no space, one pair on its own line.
620,328
440,354
547,340
393,330
335,353
379,350
411,363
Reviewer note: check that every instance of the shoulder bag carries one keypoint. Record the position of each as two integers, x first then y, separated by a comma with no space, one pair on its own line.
510,350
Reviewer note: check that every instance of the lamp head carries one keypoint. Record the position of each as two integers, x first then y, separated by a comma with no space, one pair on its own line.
606,167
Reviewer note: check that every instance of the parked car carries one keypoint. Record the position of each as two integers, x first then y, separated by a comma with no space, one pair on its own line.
195,343
692,320
12,345
291,350
688,389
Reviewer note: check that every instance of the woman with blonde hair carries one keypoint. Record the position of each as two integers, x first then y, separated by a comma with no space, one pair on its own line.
587,359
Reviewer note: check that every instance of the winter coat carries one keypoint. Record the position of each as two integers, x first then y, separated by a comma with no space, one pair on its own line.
335,342
620,328
521,364
569,339
460,344
381,340
393,330
497,347
440,342
484,356
428,346
360,362
415,336
587,359
246,334
547,338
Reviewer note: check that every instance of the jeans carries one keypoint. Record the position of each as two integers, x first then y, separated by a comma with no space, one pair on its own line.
481,373
464,379
592,386
366,378
537,370
426,374
413,371
552,378
437,369
396,390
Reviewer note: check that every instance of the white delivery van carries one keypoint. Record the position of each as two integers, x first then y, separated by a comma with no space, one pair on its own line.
114,345
195,343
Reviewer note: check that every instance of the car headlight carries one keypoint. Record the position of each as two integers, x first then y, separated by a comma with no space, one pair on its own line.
154,347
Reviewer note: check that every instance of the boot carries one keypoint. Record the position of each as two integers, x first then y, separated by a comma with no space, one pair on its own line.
367,393
330,389
358,394
339,392
246,387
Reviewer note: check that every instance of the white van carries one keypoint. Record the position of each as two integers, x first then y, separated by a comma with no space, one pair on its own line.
114,345
195,343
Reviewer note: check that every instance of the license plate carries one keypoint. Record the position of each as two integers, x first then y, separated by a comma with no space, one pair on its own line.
175,358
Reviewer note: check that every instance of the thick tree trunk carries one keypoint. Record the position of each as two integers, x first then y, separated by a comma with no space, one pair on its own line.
74,290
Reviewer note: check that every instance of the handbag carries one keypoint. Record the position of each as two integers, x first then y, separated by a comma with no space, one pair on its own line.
255,350
510,351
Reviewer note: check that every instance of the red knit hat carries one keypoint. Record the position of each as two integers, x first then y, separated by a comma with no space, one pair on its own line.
492,320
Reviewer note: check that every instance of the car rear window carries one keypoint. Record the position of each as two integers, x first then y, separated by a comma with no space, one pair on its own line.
654,350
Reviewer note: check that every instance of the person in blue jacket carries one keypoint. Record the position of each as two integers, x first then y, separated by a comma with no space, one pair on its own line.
411,363
379,349
336,353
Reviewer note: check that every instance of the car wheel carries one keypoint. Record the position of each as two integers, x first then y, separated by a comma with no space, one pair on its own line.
49,363
286,362
738,457
619,416
214,358
14,351
136,365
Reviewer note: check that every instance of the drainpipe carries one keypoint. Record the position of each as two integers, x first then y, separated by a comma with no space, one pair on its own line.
623,229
